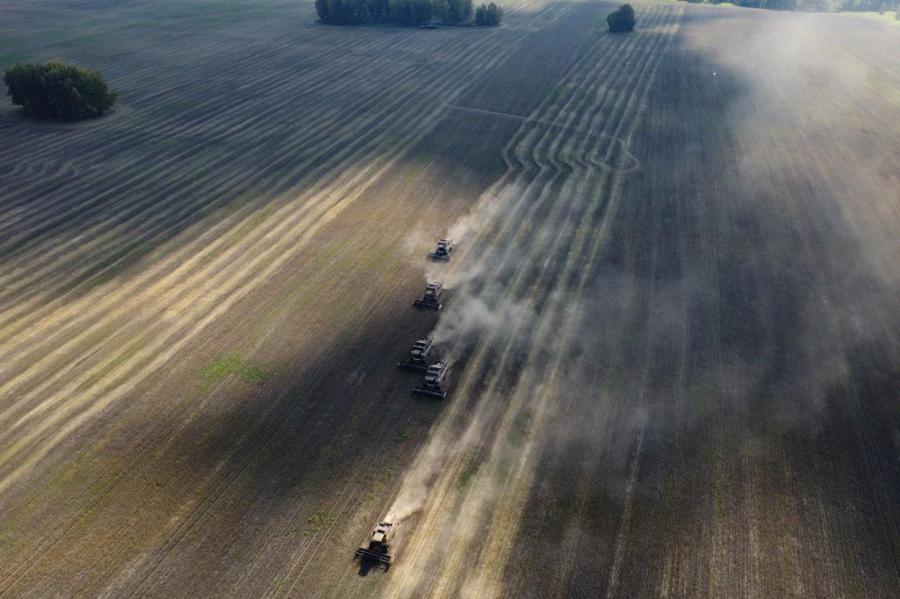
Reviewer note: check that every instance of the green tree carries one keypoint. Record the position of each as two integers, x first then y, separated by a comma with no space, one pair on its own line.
58,91
322,10
379,10
439,10
488,15
347,12
621,20
410,12
458,11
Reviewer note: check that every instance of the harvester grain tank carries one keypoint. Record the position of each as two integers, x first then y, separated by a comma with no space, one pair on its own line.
433,384
432,296
442,251
378,551
418,355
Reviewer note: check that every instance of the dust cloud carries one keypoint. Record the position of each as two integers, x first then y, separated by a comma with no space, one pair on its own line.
749,280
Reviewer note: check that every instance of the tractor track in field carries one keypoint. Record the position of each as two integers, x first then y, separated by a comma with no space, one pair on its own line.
513,402
213,283
111,302
579,161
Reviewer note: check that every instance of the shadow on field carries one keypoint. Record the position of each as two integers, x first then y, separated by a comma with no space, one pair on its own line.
268,475
285,475
732,405
193,145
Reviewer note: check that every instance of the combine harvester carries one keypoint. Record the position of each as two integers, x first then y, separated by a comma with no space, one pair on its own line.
442,251
378,551
418,355
432,296
433,384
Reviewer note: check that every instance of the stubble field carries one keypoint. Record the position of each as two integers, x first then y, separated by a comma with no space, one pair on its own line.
672,319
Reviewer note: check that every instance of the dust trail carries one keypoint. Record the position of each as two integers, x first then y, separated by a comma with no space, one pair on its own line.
540,387
718,339
508,316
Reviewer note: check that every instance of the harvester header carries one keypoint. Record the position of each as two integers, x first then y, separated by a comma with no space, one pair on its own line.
378,551
432,296
442,251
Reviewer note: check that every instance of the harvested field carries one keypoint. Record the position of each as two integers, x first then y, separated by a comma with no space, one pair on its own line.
671,320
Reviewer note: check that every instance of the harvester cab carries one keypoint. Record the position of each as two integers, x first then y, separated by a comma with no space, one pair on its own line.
378,551
418,355
443,250
432,296
433,384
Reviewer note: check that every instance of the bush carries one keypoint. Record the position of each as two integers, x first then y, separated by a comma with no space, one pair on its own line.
621,20
488,15
58,91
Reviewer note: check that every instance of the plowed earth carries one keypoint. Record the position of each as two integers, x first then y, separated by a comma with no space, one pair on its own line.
671,320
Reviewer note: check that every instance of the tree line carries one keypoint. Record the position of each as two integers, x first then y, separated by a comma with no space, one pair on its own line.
408,13
815,5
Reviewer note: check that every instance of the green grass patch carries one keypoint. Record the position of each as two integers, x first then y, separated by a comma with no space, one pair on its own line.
315,522
6,539
320,518
469,469
401,437
232,364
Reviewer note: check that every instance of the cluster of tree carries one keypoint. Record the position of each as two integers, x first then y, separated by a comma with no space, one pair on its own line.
621,20
816,5
488,15
58,91
405,12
